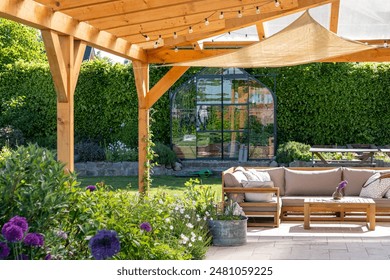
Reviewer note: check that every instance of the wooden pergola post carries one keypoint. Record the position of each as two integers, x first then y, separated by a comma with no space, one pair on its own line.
146,99
65,55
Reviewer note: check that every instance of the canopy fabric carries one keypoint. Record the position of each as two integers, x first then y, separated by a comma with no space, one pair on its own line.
303,41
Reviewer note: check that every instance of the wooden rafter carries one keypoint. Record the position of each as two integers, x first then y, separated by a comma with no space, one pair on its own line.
42,17
334,16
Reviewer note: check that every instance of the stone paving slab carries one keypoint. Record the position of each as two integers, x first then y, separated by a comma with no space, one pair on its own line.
324,241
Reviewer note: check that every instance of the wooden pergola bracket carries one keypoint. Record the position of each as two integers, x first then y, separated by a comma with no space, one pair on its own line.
65,55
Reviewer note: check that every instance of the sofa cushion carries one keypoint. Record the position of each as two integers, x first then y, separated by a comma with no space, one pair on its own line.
312,183
356,179
258,196
277,176
375,187
233,180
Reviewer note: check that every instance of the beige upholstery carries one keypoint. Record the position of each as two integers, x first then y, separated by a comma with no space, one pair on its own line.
356,179
312,183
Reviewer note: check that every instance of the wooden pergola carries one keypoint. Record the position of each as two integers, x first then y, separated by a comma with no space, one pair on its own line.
148,32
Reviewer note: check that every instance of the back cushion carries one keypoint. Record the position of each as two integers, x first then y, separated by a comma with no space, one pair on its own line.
356,179
258,196
233,180
321,182
277,176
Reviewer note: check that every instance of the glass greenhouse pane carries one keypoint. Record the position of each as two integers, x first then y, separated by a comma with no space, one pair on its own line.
209,91
232,143
235,117
235,91
208,118
209,145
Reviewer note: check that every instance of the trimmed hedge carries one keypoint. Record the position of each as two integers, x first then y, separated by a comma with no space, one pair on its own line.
319,103
333,103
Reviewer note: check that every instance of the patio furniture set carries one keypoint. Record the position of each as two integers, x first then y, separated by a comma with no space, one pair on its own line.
270,195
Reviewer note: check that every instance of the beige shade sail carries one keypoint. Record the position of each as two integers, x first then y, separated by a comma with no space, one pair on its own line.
303,41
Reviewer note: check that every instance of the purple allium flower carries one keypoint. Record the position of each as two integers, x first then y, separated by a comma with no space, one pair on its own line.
342,185
34,240
4,250
20,221
146,226
48,257
104,244
91,188
12,232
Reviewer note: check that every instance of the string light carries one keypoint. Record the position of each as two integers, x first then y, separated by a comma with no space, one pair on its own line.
385,44
206,22
155,45
277,4
257,10
221,16
190,30
147,38
239,14
176,49
174,35
159,39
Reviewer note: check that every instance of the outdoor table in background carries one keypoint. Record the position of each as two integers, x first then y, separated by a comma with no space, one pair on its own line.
365,155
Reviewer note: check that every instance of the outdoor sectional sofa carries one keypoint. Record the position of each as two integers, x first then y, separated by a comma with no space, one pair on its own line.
278,193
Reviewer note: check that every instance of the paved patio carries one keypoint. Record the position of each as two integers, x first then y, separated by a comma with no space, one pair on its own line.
324,241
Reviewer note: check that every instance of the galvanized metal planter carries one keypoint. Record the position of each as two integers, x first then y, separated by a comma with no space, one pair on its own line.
228,232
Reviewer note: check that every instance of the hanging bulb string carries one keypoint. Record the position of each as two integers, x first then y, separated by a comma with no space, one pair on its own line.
206,21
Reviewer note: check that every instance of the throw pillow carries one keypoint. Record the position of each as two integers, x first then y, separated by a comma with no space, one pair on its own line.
233,180
253,175
258,197
375,187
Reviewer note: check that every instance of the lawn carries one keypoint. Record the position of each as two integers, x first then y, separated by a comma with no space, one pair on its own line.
170,184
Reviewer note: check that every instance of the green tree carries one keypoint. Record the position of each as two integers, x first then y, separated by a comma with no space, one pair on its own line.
19,42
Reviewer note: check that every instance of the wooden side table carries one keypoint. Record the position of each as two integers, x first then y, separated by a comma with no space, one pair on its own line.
352,204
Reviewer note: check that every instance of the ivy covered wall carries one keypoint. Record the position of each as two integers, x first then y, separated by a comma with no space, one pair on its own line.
316,103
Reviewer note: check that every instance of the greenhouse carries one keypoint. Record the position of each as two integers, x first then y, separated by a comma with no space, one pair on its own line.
223,113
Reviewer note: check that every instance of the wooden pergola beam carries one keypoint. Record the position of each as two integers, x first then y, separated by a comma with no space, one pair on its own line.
65,55
41,17
334,16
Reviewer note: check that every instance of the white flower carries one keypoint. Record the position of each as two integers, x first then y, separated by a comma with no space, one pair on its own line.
176,208
187,216
200,238
194,202
192,233
171,227
189,244
181,210
198,219
167,220
193,239
160,201
189,225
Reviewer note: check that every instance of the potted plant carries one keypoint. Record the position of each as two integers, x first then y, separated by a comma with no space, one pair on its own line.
226,220
228,225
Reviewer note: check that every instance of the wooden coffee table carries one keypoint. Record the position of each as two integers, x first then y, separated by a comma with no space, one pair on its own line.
350,204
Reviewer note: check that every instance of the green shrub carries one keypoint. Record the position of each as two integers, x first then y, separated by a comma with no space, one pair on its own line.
165,156
291,151
11,137
89,151
34,185
119,151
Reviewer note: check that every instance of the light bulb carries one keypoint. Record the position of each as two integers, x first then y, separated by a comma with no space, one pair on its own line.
174,35
155,45
257,10
159,39
221,15
277,4
206,22
147,38
190,30
239,14
385,44
176,49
